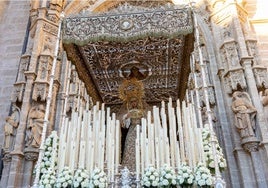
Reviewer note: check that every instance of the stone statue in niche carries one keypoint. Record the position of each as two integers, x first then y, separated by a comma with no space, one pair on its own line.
245,114
264,99
12,123
35,126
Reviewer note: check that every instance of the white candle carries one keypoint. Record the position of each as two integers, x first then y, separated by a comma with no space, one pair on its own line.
137,160
167,151
112,160
152,145
146,153
92,161
178,160
61,158
82,154
72,156
117,146
162,146
157,153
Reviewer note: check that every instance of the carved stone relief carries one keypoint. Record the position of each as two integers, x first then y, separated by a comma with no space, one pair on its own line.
264,100
31,156
40,91
230,53
245,114
49,43
211,96
17,94
24,63
44,68
10,127
261,76
35,126
234,79
19,86
253,51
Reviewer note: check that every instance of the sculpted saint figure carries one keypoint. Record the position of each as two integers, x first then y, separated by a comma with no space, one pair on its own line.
265,98
130,114
35,126
11,124
245,114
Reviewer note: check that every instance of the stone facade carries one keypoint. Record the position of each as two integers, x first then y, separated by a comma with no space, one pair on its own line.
234,50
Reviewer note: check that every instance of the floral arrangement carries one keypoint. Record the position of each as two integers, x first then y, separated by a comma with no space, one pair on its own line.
209,158
49,161
167,176
81,178
203,176
48,179
185,175
48,152
65,178
150,178
98,179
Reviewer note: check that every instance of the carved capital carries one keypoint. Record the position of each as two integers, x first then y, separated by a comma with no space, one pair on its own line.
40,90
253,50
211,96
7,157
24,64
250,144
233,79
229,55
18,91
31,155
261,76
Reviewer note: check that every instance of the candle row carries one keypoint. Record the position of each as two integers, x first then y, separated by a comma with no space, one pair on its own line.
91,139
169,136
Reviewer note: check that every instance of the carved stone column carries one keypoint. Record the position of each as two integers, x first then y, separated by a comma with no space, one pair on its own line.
5,172
30,87
252,88
253,147
31,156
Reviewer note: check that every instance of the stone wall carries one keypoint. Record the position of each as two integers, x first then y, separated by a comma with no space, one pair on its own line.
13,23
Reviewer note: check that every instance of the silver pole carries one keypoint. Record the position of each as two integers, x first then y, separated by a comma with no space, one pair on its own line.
49,96
219,183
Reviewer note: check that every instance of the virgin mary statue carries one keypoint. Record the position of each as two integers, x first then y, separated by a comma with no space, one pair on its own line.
130,114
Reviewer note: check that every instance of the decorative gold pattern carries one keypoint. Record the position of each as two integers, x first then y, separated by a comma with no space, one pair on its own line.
131,88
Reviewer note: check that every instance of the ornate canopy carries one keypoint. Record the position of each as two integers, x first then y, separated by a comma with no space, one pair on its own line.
152,45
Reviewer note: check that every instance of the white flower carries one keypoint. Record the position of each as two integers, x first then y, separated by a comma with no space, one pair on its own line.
165,182
152,177
201,182
190,181
209,181
96,182
168,176
155,183
76,184
147,184
102,185
65,184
